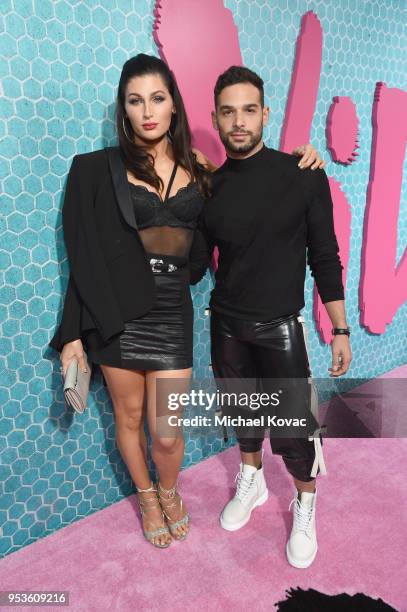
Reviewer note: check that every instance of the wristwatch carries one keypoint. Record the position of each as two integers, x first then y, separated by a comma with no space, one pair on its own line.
341,331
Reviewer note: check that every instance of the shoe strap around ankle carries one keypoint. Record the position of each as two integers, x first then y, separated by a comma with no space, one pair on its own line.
152,488
170,492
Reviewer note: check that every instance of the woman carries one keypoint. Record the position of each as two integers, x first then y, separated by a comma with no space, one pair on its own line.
129,219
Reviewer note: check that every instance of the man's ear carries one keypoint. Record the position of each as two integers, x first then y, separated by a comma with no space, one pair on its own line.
214,121
266,114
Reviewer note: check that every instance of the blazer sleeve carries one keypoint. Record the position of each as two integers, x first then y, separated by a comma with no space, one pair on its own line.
70,326
89,272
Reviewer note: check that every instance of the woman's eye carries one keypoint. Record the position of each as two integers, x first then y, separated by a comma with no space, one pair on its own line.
159,99
134,101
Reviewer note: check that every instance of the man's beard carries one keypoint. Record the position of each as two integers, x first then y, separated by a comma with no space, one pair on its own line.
254,139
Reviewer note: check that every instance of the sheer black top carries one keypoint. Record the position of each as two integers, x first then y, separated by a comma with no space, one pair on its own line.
167,226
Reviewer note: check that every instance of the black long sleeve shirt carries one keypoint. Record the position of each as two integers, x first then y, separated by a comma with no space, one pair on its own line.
263,216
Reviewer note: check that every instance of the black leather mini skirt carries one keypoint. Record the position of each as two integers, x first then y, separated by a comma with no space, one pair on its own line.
162,338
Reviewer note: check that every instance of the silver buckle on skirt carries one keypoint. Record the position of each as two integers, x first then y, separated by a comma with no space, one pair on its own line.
163,267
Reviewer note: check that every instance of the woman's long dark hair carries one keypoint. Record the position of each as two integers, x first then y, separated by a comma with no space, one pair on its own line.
136,158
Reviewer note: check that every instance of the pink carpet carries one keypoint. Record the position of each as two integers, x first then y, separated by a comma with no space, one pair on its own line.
106,564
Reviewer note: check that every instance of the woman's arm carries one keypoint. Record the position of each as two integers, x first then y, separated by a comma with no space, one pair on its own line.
201,252
204,161
67,339
85,255
200,256
70,326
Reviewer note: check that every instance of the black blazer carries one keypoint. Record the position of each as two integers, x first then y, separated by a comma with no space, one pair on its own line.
110,278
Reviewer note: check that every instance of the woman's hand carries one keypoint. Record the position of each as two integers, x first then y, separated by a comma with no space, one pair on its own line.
73,350
204,161
309,157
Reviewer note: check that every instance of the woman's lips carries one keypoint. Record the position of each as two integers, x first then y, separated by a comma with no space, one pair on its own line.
149,126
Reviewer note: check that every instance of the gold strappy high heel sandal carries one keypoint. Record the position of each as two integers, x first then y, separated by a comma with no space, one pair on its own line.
172,496
147,504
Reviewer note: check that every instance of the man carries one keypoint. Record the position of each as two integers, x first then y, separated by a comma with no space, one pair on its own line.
263,216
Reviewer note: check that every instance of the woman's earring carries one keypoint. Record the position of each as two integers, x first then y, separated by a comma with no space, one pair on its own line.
125,133
170,134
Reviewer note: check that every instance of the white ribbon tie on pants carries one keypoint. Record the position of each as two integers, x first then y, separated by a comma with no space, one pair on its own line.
319,455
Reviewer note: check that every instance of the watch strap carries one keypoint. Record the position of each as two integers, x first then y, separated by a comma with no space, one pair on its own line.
341,331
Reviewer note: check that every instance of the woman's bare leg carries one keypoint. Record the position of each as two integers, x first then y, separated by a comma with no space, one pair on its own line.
167,450
127,390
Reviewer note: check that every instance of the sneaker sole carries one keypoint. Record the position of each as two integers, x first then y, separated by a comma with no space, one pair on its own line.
262,499
300,564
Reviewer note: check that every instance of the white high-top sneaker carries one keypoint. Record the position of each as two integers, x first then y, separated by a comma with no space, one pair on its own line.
251,491
302,545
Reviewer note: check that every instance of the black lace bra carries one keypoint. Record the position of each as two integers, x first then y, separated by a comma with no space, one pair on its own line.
180,210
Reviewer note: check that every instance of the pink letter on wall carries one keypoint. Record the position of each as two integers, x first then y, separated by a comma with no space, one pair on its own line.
342,130
303,92
296,129
383,287
199,41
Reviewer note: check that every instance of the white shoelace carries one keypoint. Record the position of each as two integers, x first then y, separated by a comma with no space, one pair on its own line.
244,484
302,516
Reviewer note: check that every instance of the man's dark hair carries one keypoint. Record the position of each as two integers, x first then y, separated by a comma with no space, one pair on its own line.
235,75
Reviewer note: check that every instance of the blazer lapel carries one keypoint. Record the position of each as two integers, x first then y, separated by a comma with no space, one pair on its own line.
121,185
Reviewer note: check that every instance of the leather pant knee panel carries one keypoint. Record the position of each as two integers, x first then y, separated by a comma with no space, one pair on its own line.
261,350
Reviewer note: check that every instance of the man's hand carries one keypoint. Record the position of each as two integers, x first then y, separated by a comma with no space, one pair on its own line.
309,157
341,355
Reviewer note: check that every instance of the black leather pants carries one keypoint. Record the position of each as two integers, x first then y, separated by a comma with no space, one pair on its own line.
261,350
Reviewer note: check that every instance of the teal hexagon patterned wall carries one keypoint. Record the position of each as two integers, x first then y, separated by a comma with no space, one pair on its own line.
59,68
